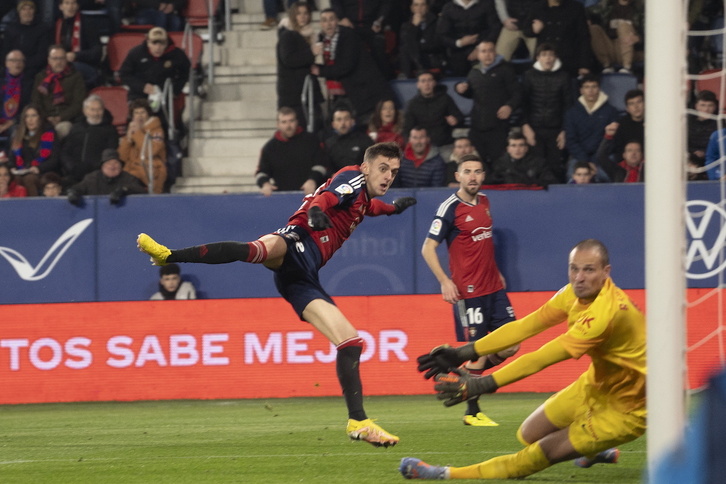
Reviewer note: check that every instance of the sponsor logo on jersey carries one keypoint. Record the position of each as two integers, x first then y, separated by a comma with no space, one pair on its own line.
344,189
481,233
470,288
435,227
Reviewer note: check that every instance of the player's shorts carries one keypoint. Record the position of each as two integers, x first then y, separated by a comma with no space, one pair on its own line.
476,317
297,278
594,425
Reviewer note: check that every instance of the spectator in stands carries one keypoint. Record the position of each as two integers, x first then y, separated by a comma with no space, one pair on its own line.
581,174
51,185
348,68
462,146
613,42
547,95
34,150
513,15
630,169
347,145
271,9
386,124
493,85
81,41
462,25
701,126
419,49
161,13
367,18
562,23
59,91
295,38
8,187
15,89
520,166
631,125
113,8
292,160
432,108
82,148
28,35
110,179
171,285
714,157
585,123
421,165
148,65
144,135
694,168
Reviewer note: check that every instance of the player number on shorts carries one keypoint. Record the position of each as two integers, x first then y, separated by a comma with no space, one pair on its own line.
299,247
474,316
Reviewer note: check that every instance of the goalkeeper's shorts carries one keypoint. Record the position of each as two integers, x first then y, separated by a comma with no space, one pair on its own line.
594,424
297,278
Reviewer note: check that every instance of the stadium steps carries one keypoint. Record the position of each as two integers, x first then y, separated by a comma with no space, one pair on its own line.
238,114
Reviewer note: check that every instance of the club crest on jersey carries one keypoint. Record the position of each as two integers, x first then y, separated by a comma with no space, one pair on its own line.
344,189
435,227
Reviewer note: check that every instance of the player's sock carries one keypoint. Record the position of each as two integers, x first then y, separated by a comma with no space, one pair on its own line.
472,406
347,365
527,461
221,253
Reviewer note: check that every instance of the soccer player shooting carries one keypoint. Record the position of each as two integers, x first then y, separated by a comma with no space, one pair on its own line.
603,408
296,252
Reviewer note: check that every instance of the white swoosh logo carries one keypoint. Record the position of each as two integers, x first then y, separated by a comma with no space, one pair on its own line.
25,269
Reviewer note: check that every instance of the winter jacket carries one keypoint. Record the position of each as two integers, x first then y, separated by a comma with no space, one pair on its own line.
141,68
91,47
491,89
585,130
291,162
530,170
430,113
430,173
547,95
96,183
130,150
346,150
32,40
82,148
294,58
74,92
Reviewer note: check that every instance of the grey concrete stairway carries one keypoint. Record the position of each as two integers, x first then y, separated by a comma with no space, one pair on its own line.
238,115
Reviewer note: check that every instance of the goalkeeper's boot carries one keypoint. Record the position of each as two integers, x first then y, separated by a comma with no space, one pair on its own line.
158,252
413,468
479,420
368,431
609,456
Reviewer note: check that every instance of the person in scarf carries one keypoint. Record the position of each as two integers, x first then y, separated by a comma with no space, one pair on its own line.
15,87
385,124
628,170
59,91
33,149
28,35
421,165
493,85
171,285
81,41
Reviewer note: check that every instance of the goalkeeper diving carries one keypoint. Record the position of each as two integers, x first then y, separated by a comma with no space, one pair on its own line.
603,408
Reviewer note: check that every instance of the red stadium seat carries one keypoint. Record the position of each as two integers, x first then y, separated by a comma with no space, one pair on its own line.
196,12
712,83
115,98
118,48
193,48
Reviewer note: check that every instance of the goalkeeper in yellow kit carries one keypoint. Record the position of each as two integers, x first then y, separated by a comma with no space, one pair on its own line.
603,408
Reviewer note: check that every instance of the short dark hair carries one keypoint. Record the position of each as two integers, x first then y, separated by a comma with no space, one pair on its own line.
328,10
544,47
707,96
515,135
471,157
633,93
387,150
582,164
589,78
169,269
140,103
594,244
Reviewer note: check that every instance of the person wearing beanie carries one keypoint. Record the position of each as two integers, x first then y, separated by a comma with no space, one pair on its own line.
109,179
171,285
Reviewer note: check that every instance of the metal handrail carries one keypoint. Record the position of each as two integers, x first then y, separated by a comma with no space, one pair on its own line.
147,154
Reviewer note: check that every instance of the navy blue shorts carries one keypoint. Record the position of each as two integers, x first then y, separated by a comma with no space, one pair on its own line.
297,278
478,316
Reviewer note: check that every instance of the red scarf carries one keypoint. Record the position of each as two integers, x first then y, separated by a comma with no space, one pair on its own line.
335,88
52,83
75,35
632,174
410,155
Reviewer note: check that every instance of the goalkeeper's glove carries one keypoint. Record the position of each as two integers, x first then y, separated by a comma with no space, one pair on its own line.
317,219
460,385
401,204
444,359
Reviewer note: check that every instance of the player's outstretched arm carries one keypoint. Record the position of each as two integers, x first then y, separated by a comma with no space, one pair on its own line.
401,204
444,359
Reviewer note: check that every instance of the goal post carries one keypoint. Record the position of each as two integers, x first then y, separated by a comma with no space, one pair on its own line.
665,88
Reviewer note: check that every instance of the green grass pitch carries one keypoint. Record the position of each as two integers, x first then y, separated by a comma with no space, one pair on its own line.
265,441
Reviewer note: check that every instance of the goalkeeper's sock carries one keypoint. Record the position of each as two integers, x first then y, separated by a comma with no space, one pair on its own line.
472,406
221,253
527,461
347,365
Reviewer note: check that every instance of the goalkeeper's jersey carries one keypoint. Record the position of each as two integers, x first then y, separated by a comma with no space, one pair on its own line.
611,330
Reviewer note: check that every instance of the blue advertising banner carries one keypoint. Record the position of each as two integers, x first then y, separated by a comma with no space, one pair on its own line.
52,251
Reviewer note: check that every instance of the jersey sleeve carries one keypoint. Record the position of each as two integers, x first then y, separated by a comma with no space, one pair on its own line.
442,224
346,184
